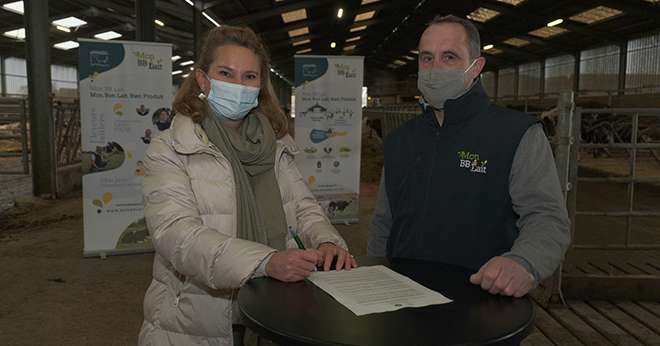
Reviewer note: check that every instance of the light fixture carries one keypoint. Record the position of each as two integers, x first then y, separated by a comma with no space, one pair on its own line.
414,51
555,22
596,14
70,22
299,32
108,35
547,31
512,2
488,46
409,57
358,28
364,2
293,16
16,7
364,16
272,70
176,57
351,47
353,39
66,45
62,28
192,68
304,51
333,44
211,19
298,43
340,13
189,2
18,34
399,62
482,15
185,75
516,42
159,22
174,73
186,63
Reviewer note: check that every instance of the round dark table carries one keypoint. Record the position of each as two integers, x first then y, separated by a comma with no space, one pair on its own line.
302,314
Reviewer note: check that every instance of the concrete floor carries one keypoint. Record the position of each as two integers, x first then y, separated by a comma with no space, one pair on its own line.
51,295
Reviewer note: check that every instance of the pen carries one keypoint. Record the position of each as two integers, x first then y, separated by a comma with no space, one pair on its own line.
295,237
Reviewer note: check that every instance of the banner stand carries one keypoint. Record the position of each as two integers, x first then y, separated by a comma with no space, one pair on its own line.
125,100
328,127
114,252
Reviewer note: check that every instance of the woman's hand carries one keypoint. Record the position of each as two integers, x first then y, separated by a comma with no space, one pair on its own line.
292,264
344,259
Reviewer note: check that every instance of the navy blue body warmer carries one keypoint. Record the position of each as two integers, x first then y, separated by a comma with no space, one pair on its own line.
448,187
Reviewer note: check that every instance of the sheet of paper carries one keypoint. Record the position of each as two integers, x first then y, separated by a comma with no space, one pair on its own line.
367,290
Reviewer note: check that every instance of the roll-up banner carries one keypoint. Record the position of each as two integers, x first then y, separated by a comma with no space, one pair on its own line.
125,100
328,127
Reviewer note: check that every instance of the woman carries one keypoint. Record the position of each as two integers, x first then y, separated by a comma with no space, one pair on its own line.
221,190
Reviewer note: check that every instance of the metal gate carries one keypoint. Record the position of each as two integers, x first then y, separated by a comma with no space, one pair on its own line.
619,123
13,111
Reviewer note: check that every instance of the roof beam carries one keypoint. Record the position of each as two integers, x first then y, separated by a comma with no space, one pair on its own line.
210,4
276,10
82,13
640,9
277,44
504,33
542,20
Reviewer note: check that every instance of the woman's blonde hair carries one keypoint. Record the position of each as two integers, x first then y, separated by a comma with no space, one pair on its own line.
186,101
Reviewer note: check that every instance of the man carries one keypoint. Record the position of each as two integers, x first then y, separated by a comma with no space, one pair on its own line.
469,183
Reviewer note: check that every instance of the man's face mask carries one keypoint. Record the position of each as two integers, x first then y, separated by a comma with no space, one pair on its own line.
230,100
162,126
439,85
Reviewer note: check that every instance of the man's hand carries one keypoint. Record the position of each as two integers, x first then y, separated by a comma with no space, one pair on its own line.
292,264
501,275
344,259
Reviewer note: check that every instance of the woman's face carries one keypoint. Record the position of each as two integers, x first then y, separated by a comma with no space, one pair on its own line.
232,64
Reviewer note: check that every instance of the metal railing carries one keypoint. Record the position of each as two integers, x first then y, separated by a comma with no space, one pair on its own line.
610,96
632,147
14,111
391,116
66,114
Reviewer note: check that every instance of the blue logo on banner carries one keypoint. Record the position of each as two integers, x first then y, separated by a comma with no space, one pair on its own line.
309,69
98,57
318,136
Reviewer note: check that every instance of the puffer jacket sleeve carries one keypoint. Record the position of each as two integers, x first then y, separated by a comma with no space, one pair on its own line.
177,232
313,225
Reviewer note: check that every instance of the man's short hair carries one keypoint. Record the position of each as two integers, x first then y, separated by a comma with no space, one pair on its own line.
474,41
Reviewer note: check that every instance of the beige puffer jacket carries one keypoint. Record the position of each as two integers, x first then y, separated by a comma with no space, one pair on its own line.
190,211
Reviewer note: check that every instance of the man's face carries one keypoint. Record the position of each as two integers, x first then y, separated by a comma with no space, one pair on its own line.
445,46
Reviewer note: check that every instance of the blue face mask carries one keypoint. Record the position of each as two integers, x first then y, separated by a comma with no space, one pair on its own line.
232,101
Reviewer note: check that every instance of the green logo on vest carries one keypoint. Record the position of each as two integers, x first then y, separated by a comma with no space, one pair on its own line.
471,162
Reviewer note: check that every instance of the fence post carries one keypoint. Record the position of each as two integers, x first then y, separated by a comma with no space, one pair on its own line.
564,134
22,113
566,161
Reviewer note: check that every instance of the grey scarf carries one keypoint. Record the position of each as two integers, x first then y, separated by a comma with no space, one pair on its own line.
250,150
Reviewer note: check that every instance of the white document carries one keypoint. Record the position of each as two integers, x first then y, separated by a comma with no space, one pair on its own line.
368,290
